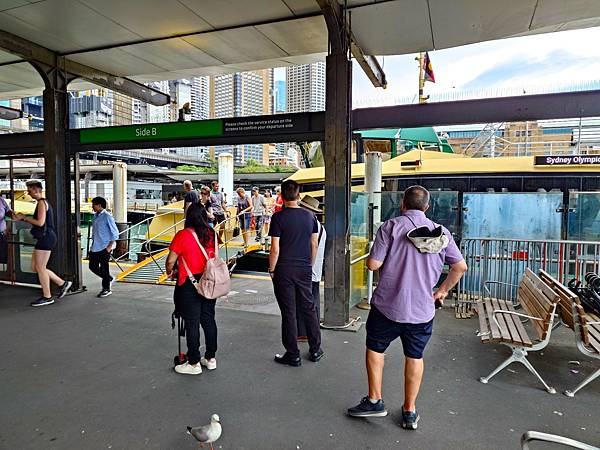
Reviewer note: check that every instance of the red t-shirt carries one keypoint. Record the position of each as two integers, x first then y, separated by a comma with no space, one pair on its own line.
278,203
185,245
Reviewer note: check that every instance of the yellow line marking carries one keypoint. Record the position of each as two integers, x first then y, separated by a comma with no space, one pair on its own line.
250,277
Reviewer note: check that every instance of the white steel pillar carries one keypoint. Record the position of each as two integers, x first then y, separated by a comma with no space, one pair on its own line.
226,176
119,206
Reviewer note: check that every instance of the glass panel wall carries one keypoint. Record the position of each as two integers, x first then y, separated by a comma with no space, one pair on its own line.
359,245
443,208
584,216
512,215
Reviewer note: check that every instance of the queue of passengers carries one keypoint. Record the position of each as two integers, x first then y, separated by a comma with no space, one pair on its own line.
409,252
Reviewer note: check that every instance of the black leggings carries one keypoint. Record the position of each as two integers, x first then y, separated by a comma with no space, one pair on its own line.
197,311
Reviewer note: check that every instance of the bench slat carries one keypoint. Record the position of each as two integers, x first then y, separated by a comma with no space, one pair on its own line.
495,332
541,305
525,295
509,318
538,303
520,328
483,327
501,322
547,290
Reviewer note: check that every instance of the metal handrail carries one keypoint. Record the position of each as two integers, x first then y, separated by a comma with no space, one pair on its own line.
359,259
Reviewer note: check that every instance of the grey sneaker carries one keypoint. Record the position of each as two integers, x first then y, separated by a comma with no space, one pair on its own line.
104,293
367,409
42,301
64,289
409,419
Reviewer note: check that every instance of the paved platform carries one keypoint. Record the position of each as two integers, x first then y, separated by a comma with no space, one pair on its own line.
90,373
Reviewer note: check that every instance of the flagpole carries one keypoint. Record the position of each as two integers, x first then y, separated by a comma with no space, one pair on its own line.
422,97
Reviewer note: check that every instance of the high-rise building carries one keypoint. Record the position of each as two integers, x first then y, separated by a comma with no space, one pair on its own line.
200,98
243,94
279,95
305,87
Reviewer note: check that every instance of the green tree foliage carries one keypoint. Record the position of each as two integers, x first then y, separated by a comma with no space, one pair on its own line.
252,166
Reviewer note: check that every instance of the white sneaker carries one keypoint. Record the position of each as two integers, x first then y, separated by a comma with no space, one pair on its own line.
189,369
210,364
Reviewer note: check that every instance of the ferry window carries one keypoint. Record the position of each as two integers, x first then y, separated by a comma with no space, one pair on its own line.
147,194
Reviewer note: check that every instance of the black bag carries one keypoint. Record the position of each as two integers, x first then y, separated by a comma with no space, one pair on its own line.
236,231
3,249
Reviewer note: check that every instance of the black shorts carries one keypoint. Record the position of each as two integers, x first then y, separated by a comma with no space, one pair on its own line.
47,242
219,218
381,332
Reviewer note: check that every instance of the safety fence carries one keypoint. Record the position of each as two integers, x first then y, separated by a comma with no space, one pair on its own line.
496,266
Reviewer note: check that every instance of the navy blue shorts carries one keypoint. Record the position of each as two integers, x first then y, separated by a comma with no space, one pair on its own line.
381,332
46,242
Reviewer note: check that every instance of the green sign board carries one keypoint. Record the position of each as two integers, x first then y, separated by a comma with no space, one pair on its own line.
152,132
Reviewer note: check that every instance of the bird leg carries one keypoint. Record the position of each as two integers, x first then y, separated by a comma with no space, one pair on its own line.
211,447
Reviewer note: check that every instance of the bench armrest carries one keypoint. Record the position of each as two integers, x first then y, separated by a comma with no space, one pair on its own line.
514,313
530,436
487,290
502,311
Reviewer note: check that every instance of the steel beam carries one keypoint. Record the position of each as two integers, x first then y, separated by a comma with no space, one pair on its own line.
336,149
334,18
7,113
38,55
487,110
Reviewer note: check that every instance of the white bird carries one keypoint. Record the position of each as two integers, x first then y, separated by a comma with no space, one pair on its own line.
207,434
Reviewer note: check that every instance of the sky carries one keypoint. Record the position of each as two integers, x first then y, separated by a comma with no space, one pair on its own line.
554,59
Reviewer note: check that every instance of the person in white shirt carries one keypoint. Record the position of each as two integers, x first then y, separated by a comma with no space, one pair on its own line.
312,204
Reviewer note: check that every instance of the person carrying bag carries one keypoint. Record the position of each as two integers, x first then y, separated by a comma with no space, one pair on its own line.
215,281
194,248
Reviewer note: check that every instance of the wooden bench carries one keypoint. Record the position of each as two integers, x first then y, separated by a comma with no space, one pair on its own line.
499,322
585,325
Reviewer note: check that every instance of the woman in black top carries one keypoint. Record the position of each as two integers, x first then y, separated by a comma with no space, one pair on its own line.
43,231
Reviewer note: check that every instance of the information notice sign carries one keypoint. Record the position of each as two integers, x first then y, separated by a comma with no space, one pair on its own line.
278,124
567,160
152,132
282,124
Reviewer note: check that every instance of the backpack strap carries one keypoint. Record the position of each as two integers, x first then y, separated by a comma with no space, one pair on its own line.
199,245
320,231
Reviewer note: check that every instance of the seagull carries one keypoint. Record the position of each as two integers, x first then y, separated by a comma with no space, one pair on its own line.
207,434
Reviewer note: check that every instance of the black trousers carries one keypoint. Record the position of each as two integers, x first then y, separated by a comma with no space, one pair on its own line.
293,287
99,265
197,311
317,299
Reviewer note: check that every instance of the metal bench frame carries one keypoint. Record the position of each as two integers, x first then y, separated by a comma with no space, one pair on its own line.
579,331
519,353
531,436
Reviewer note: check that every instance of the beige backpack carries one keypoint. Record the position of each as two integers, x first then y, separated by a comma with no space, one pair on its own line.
215,281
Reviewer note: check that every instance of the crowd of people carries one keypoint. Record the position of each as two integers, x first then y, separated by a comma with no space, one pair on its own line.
409,252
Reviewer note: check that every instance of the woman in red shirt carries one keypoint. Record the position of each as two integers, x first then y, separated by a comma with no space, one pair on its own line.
193,308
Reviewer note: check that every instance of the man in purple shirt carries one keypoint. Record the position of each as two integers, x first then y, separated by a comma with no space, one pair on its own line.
403,304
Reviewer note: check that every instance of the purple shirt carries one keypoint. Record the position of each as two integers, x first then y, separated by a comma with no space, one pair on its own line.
407,277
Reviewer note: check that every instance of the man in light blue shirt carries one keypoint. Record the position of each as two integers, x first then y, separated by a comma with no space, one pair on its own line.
104,236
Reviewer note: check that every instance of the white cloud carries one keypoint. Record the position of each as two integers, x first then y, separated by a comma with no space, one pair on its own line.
548,59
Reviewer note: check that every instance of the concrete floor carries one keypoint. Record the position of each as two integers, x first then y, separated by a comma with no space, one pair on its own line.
90,373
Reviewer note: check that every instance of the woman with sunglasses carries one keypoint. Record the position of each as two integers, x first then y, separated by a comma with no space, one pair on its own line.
207,204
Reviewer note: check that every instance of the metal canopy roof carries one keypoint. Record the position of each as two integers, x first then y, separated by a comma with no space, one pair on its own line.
151,40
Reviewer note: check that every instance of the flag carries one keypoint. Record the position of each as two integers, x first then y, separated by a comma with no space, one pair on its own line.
428,68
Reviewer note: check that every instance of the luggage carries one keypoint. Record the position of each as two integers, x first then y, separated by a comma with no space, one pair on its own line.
181,357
